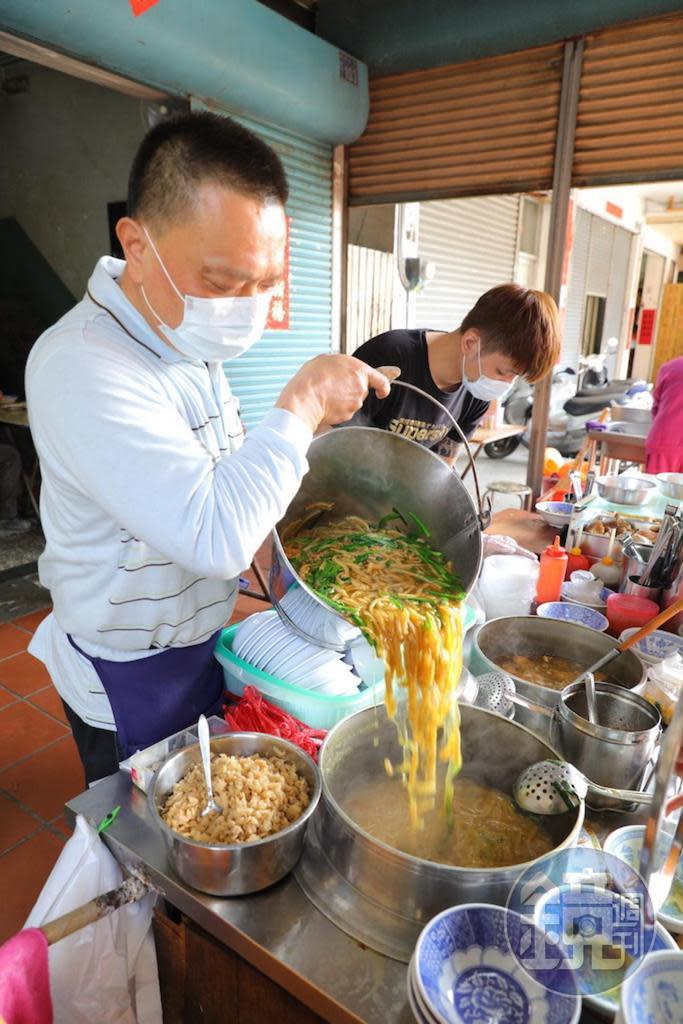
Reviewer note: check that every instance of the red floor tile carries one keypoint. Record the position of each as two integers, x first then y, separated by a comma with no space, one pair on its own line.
32,621
50,701
60,824
12,640
24,730
7,697
15,824
24,674
45,781
23,872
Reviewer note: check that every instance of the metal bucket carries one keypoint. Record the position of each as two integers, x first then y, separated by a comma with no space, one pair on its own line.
366,472
618,751
380,895
534,637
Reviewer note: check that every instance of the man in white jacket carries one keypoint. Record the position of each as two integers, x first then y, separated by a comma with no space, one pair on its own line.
152,500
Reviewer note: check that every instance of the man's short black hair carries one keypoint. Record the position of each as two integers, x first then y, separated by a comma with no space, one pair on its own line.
178,155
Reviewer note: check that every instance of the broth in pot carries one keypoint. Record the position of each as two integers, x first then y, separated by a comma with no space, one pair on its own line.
488,829
547,670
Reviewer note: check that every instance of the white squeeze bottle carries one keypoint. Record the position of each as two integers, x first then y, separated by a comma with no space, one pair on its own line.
606,569
664,683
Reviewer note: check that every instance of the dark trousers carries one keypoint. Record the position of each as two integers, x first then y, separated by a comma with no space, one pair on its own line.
97,748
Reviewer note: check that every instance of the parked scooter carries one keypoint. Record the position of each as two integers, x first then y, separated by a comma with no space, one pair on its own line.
574,400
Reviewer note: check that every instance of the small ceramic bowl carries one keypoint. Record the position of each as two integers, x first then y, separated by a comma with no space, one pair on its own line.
626,844
465,969
653,990
566,612
555,513
656,647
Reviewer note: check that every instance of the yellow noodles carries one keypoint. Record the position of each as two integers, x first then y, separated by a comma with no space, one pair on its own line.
401,592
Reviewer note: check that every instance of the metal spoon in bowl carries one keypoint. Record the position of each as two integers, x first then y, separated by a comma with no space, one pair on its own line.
205,750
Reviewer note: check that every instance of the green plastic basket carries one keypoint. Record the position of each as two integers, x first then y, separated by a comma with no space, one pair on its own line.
319,710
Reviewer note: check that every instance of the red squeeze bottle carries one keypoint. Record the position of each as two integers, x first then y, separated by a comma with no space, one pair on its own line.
551,576
576,560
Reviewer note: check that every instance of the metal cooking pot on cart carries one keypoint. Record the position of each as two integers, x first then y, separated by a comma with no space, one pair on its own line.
366,472
535,637
380,895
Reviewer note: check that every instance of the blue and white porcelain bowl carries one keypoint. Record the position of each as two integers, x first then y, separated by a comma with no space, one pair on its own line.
465,972
555,513
652,992
566,612
657,646
626,844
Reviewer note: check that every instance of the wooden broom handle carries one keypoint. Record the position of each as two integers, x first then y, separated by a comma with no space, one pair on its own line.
130,891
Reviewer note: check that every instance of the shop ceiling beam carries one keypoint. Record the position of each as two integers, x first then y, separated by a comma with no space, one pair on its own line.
559,212
234,53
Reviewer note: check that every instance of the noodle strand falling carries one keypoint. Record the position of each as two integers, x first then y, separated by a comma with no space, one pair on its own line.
403,595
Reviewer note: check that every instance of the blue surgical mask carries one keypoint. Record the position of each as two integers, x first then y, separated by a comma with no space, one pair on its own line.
213,330
485,388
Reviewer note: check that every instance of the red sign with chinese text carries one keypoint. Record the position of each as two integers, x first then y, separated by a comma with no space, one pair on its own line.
278,314
139,7
647,324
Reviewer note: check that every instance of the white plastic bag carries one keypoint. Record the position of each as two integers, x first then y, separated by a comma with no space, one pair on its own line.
106,972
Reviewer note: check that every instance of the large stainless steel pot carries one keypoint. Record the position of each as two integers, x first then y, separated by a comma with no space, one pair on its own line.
535,637
239,868
366,472
379,895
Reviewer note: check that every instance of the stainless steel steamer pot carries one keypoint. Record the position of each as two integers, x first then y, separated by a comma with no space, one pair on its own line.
534,637
377,894
239,868
366,472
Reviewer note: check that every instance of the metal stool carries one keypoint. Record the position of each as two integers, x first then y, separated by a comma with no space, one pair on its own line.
521,491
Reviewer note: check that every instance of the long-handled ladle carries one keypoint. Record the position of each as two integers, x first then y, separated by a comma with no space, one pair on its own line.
624,645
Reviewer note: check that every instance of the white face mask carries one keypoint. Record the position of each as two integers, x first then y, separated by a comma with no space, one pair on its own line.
486,388
213,330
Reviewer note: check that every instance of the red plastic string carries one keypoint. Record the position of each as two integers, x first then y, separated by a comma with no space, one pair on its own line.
253,713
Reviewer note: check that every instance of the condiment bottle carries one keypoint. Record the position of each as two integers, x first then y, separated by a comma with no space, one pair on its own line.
551,575
607,570
576,560
664,684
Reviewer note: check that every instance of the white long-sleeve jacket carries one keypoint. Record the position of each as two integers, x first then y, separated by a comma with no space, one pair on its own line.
152,500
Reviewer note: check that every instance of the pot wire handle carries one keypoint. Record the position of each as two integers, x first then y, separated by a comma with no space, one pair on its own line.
484,513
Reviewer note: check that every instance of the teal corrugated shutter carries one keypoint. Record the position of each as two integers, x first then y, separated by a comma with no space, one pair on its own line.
258,377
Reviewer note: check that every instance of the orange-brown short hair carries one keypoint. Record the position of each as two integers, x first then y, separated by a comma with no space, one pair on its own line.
521,323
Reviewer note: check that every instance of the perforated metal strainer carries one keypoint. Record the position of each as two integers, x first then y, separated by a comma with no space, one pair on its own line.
550,787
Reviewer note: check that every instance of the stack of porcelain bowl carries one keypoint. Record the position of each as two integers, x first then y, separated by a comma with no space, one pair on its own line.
268,644
465,969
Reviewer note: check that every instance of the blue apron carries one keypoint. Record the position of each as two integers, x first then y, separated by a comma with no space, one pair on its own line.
153,698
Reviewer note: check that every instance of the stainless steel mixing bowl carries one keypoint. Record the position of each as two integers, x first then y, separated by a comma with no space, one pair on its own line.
366,472
239,868
671,485
380,895
625,490
534,637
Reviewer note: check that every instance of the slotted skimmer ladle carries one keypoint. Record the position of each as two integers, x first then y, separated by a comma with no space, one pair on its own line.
551,786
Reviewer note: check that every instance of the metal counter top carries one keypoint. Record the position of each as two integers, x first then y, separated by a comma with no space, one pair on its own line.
279,930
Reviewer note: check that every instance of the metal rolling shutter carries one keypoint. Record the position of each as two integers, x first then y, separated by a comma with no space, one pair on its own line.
258,377
473,243
474,128
630,116
576,290
616,289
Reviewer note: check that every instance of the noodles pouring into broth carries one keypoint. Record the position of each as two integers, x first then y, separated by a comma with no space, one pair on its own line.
403,595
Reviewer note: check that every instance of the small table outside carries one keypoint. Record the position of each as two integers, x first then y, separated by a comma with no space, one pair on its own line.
485,435
614,448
